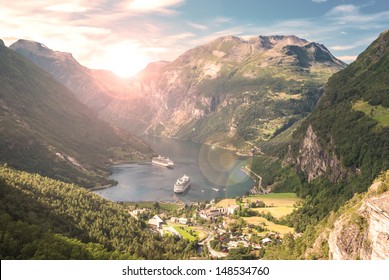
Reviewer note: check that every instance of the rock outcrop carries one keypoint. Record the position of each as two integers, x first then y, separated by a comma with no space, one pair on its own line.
314,161
364,233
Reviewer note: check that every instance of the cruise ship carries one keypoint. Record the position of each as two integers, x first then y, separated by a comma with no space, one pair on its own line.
163,161
182,184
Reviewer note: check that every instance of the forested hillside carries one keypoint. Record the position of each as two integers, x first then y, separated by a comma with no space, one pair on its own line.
357,230
41,218
344,144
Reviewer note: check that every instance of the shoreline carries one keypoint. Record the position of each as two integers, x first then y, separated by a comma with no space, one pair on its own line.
97,188
118,162
256,189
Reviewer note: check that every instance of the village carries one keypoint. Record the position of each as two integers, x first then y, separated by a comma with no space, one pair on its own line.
222,228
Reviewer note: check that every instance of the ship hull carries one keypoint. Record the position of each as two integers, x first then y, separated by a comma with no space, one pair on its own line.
180,191
181,185
162,164
162,161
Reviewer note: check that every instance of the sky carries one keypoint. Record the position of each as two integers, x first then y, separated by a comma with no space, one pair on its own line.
124,36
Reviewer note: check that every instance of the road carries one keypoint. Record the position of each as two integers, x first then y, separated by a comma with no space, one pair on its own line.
207,241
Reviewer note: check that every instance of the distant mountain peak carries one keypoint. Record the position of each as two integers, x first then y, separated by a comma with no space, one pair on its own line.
283,40
37,48
30,45
266,41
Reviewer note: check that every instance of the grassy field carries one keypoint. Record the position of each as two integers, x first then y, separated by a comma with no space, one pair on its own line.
226,202
269,225
281,204
277,212
150,205
276,199
184,232
379,113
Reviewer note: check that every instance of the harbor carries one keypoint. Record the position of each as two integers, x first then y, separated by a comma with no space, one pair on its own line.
211,175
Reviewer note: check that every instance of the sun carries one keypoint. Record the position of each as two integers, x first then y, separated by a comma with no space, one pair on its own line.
125,59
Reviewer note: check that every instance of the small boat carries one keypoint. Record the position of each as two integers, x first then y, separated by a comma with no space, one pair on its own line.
215,189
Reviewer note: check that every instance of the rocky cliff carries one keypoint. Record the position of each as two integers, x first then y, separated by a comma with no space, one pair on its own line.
362,231
314,161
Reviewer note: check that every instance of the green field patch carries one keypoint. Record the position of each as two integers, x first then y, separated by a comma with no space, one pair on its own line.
276,199
152,205
378,113
277,212
184,232
263,222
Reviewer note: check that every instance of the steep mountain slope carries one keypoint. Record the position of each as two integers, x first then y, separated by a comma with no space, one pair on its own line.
228,90
95,88
344,144
361,230
44,128
357,230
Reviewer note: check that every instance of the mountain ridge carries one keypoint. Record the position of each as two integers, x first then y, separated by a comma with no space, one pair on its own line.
209,92
83,82
46,129
215,80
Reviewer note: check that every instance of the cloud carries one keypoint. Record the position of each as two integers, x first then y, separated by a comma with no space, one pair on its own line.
220,20
196,25
351,14
342,10
92,30
319,1
67,8
151,6
343,48
360,43
347,58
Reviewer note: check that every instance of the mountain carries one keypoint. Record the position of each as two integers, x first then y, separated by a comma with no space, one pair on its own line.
227,91
46,129
344,144
95,88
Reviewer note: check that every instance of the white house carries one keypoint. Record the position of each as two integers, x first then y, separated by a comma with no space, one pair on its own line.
231,210
156,222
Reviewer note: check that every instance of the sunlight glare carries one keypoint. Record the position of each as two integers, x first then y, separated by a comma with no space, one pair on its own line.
125,59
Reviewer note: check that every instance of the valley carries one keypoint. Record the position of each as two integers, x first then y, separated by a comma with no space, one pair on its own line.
313,130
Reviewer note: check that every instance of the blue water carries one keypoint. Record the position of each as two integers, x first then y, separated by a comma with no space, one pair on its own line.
214,173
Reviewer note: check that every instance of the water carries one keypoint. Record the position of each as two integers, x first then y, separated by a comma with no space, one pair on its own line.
214,173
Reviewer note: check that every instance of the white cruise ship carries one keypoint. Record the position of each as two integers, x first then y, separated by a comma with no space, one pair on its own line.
182,184
163,161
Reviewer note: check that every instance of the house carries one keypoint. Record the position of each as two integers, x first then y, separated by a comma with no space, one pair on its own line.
210,213
183,221
232,209
266,240
156,222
